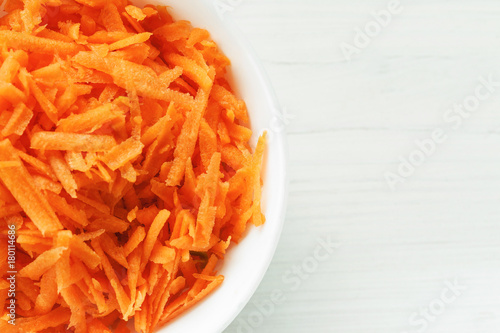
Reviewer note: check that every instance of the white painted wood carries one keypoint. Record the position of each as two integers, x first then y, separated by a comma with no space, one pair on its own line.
353,120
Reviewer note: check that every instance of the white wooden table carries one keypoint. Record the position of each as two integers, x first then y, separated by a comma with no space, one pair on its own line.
423,256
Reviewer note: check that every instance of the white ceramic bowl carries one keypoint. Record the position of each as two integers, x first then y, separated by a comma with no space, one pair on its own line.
246,263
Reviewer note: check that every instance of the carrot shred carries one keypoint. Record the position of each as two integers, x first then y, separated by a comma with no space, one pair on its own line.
47,298
135,12
121,296
52,319
75,300
123,71
62,207
134,39
153,233
11,93
71,141
116,252
25,41
187,139
91,120
227,100
18,121
110,18
191,70
82,251
135,239
41,264
19,182
62,172
9,69
134,23
125,152
10,210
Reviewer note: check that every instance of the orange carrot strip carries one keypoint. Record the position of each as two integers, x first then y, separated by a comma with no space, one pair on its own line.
257,217
206,215
134,240
170,314
149,11
239,133
208,143
196,36
63,208
173,31
44,183
187,139
133,22
83,252
41,264
52,319
229,101
46,105
109,223
72,141
133,274
114,251
91,235
121,296
102,36
18,121
152,132
25,41
88,25
74,298
153,233
186,243
97,204
47,298
76,161
11,93
135,39
90,120
19,182
30,15
48,73
10,210
173,288
96,290
123,71
232,156
54,35
62,172
125,152
111,19
39,166
191,70
128,172
135,12
9,68
162,254
92,3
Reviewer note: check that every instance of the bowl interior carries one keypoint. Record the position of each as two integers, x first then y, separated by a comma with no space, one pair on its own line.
247,262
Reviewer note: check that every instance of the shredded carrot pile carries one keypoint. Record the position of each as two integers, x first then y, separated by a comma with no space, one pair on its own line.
125,165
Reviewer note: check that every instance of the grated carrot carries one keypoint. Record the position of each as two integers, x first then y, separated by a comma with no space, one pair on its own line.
124,164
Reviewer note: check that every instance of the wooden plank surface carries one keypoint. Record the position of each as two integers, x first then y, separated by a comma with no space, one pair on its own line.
424,256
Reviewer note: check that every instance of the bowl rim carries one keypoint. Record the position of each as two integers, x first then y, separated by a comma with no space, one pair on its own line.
237,34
